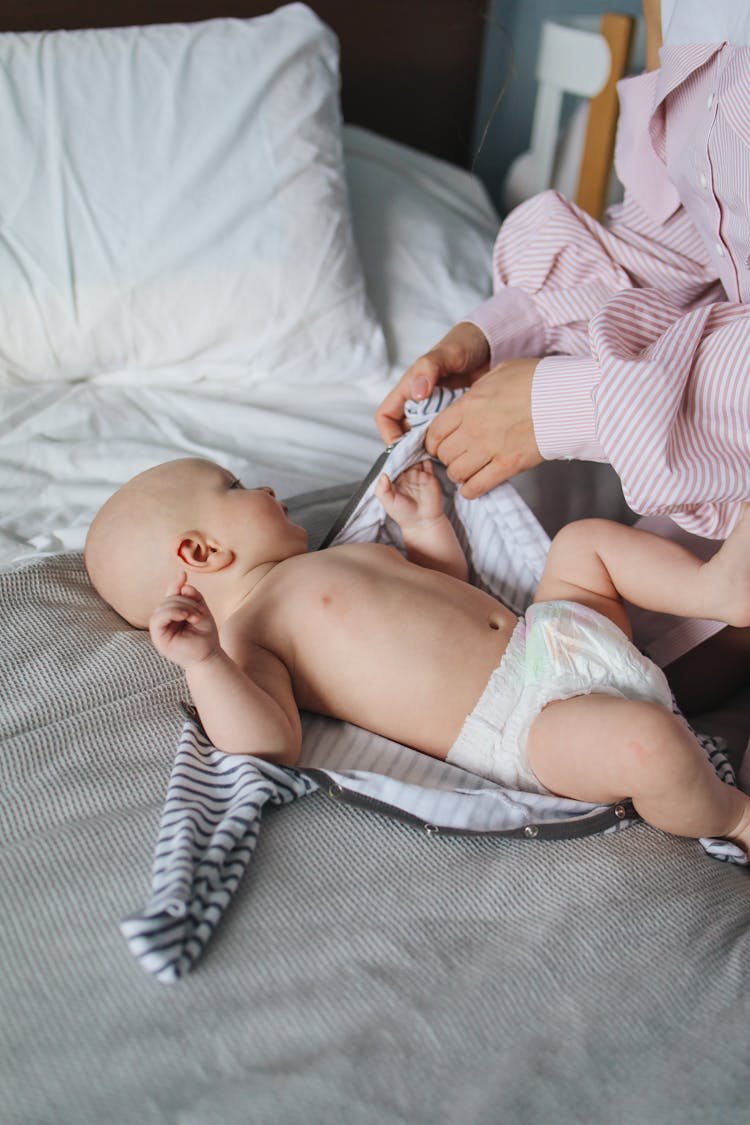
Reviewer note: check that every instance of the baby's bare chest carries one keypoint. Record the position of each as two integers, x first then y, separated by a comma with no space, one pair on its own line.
363,611
364,583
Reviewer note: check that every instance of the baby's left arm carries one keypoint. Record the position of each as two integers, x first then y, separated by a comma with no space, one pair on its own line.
415,502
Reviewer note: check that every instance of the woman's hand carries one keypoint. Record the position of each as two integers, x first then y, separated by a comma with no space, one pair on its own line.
456,361
487,435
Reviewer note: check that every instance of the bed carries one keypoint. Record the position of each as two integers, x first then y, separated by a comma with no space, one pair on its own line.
198,257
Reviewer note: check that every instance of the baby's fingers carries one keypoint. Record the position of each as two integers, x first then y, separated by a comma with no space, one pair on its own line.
182,588
417,472
176,586
193,593
384,487
177,608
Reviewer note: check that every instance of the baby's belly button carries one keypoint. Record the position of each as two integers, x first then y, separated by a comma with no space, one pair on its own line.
500,627
499,621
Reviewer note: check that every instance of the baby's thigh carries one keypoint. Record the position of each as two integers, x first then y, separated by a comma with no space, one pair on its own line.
585,747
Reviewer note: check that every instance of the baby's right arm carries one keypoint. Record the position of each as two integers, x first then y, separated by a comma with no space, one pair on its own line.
415,502
241,713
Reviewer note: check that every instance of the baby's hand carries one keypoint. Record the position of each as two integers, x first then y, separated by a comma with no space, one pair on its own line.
182,627
415,497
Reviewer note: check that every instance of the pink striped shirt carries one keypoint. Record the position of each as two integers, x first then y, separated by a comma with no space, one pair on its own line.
644,322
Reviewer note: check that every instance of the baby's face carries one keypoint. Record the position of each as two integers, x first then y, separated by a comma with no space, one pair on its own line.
251,521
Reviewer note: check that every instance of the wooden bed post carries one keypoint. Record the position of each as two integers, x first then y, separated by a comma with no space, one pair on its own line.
599,144
652,20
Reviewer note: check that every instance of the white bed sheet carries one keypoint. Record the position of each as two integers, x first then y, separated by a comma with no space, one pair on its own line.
424,230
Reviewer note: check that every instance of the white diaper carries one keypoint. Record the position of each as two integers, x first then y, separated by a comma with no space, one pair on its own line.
559,650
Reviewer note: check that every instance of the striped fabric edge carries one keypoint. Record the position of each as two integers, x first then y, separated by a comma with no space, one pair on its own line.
207,836
713,748
211,823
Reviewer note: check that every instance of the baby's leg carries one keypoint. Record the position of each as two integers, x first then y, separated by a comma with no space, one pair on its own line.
599,563
600,749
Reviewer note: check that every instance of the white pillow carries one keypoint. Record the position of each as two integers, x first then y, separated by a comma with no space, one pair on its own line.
425,230
173,206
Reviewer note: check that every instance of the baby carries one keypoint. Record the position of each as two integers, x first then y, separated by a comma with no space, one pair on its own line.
560,701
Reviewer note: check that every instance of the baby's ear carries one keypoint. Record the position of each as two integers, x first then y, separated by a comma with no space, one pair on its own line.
197,552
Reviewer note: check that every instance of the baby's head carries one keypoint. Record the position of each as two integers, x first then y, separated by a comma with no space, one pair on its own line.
188,515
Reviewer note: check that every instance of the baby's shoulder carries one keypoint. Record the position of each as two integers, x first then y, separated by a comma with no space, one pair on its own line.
256,632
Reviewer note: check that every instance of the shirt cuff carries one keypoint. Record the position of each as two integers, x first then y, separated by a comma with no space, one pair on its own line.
512,325
562,408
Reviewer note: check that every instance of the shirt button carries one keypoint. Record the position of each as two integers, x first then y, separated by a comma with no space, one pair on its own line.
710,100
720,250
704,180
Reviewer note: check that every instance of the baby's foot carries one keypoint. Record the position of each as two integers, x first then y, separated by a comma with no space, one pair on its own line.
729,572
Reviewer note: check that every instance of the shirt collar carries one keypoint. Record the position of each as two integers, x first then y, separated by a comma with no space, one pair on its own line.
677,64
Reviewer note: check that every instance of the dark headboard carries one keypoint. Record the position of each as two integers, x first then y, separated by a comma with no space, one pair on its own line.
410,68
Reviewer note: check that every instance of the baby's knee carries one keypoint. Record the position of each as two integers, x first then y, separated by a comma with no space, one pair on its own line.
581,533
655,740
